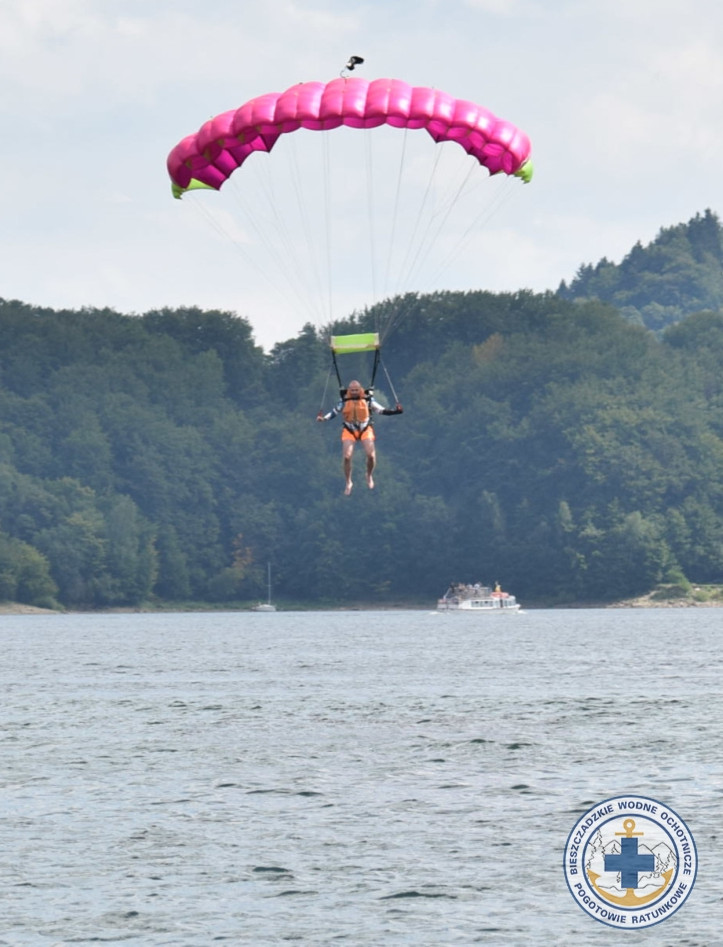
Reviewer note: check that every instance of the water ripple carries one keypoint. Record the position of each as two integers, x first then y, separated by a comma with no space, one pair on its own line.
360,779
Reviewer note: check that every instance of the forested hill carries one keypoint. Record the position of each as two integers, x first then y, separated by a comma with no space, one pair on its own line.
679,273
547,444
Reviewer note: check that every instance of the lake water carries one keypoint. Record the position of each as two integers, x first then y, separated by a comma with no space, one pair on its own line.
346,778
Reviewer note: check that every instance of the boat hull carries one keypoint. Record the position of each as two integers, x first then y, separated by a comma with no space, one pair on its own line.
476,606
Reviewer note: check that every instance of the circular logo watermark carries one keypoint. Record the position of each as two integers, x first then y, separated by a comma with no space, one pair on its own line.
630,862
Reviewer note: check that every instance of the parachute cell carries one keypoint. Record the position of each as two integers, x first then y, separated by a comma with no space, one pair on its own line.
208,157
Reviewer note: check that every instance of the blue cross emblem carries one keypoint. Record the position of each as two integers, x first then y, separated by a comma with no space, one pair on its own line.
630,863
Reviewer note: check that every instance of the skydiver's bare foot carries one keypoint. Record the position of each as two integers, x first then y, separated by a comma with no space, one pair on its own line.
347,488
370,481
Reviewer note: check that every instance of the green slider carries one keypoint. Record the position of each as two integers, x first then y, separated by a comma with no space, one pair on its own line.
362,342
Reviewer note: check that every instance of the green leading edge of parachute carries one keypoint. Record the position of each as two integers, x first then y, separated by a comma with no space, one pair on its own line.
194,185
525,172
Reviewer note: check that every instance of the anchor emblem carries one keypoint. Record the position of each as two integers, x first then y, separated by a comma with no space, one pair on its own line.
630,863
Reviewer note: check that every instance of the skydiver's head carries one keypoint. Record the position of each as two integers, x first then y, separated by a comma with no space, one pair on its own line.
354,390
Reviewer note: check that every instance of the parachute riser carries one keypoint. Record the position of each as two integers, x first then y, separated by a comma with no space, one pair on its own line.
364,342
350,344
369,390
336,369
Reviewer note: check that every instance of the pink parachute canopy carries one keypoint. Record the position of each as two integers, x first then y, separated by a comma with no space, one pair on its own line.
222,144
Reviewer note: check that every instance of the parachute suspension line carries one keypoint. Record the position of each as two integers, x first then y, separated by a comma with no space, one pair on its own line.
272,237
369,165
434,228
461,190
393,281
327,202
326,385
271,218
389,380
396,273
412,254
505,193
276,237
202,209
315,267
398,313
438,215
395,214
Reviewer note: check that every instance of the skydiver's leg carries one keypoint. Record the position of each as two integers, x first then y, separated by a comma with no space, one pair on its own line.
347,449
371,453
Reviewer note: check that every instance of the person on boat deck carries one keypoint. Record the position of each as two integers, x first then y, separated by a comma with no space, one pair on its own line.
357,409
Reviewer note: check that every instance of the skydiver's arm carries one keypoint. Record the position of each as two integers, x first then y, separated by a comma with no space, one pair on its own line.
337,409
380,409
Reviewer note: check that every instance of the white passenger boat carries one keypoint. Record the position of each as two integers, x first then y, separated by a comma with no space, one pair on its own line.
476,598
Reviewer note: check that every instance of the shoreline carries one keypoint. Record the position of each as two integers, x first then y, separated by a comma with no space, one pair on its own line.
18,608
651,600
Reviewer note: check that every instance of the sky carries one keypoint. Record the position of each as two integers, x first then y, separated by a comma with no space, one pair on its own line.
622,101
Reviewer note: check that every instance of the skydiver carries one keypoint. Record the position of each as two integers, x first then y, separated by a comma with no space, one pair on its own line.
357,408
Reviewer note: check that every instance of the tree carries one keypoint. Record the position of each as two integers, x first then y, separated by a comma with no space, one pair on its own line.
25,574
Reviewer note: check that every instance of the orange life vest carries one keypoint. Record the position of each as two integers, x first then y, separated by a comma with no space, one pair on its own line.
356,414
